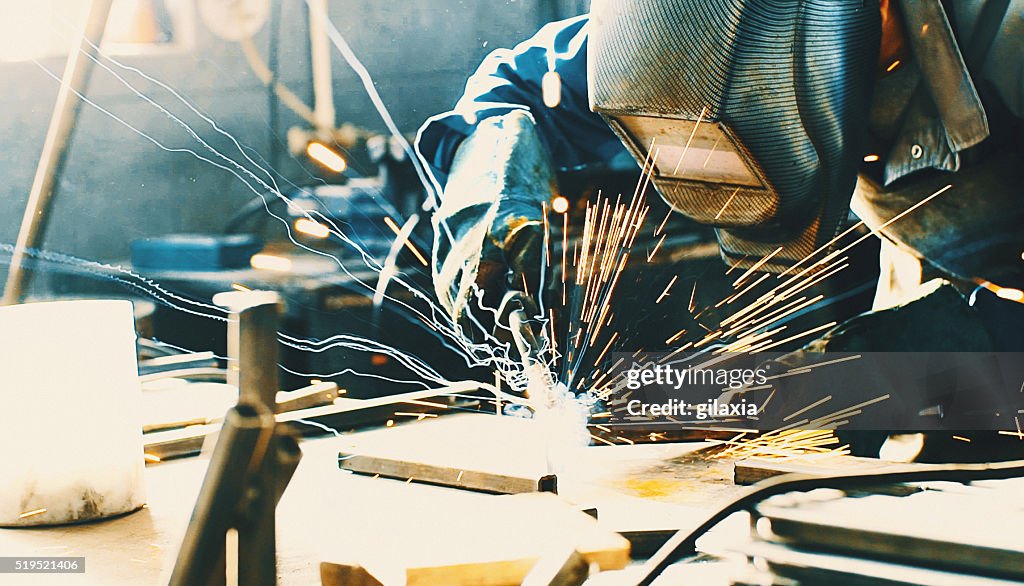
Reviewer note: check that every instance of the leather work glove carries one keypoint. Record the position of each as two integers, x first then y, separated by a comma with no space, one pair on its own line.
489,232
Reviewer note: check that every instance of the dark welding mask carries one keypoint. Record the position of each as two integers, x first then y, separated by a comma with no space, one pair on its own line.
756,110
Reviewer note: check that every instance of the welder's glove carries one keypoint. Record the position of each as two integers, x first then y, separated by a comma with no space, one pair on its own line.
489,232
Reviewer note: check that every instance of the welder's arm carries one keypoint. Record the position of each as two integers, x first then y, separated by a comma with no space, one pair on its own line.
489,227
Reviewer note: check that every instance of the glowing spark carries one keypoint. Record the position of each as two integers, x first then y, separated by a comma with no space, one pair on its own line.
870,158
733,266
711,152
33,513
961,438
728,201
240,287
665,292
1002,292
418,416
847,411
753,322
756,266
656,248
428,404
389,423
743,291
801,335
606,348
269,262
1010,294
892,66
312,228
151,458
408,243
780,443
807,408
835,254
560,204
326,157
663,222
675,337
693,133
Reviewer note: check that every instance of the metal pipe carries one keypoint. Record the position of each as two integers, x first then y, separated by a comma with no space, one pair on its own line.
252,345
51,162
201,558
253,356
256,530
320,59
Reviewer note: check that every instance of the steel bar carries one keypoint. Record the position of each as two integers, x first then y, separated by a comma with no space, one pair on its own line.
77,71
252,368
201,558
446,475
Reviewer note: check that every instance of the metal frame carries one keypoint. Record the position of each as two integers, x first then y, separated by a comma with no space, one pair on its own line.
252,463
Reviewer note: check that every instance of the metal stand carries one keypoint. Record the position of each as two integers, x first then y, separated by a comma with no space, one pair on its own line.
253,460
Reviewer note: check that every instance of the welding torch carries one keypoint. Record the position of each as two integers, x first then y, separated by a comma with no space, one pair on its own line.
516,318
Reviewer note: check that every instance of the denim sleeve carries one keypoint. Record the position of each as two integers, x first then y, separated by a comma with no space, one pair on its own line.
510,79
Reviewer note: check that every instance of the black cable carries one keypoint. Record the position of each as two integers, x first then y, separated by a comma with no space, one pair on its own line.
684,542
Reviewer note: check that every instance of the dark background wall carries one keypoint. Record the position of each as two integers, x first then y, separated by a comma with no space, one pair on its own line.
118,186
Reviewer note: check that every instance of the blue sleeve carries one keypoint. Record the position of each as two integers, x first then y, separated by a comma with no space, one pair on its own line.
507,80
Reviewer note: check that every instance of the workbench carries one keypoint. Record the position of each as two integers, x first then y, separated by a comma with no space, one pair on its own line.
326,512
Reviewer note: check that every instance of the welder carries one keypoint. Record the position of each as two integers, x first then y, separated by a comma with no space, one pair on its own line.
762,118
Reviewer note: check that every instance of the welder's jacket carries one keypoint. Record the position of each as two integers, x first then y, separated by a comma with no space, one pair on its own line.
927,114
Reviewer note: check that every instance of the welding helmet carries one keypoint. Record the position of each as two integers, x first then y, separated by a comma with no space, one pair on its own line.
751,113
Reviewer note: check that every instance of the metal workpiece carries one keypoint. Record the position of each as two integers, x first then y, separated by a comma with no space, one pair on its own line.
444,475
